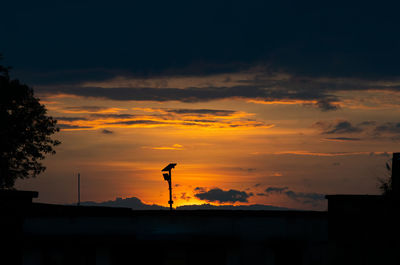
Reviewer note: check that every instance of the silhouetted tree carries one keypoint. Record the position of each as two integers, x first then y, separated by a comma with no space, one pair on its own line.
385,183
25,131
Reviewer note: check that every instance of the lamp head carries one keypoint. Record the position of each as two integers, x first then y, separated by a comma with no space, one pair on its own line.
166,176
169,167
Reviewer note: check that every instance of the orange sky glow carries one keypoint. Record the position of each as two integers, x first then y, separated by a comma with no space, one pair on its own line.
119,147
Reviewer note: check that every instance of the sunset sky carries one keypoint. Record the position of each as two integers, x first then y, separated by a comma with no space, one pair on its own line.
258,102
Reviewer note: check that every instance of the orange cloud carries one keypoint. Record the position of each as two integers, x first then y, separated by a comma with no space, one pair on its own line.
308,153
173,147
180,118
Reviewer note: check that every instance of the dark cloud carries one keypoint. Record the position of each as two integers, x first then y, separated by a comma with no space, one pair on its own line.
325,104
316,38
189,121
70,118
200,189
133,122
369,129
86,109
343,127
337,127
303,197
202,111
221,196
248,170
275,189
263,87
367,123
105,131
185,197
307,198
389,127
68,126
312,42
111,116
264,92
344,139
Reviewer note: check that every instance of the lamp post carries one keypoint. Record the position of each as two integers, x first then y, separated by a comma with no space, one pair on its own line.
167,177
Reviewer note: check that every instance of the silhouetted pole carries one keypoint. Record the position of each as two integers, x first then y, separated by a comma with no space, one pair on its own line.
395,175
168,177
79,189
170,190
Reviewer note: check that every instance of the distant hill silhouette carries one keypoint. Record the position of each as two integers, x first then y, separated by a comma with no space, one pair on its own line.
137,204
253,207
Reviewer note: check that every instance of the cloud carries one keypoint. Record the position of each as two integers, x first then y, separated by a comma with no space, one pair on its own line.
322,154
200,189
221,196
337,127
343,139
367,123
306,198
111,116
388,127
343,127
265,92
105,131
303,197
260,87
326,104
368,129
319,61
173,147
70,118
136,122
185,197
90,109
275,189
73,127
327,154
99,117
213,112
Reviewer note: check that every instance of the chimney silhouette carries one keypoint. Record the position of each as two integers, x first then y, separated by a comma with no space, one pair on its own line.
396,175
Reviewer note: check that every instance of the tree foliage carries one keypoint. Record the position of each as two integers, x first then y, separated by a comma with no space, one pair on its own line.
25,131
385,183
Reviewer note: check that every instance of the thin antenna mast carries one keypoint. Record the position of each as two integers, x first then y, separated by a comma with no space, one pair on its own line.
79,189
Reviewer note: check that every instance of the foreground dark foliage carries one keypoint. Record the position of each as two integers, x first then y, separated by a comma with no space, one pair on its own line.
25,131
